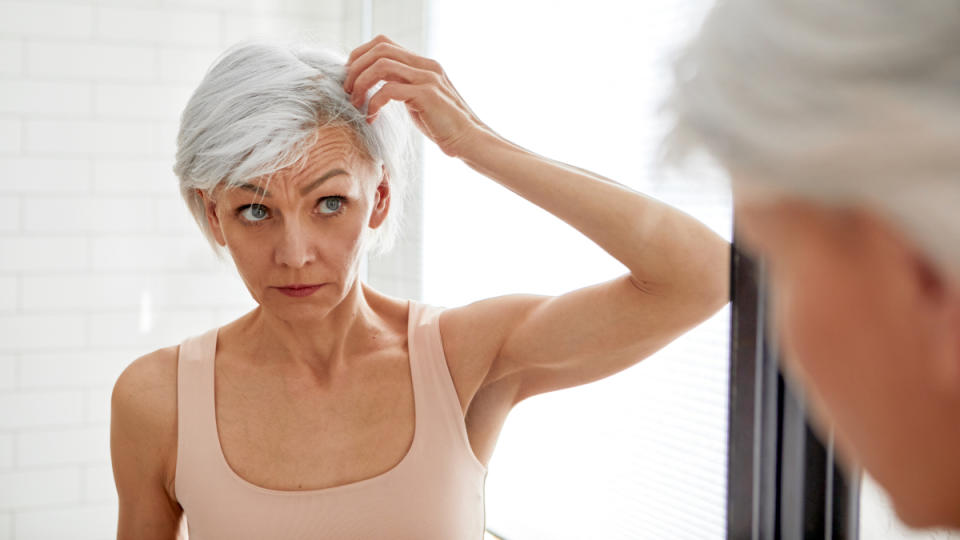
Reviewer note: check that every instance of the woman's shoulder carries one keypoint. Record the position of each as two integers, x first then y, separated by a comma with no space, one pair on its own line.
144,414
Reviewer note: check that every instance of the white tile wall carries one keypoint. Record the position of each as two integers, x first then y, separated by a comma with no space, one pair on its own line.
10,135
46,99
45,408
64,60
25,488
38,19
82,522
11,56
100,261
74,369
185,65
23,332
98,484
86,214
73,138
6,452
22,253
9,292
8,373
44,175
141,100
164,26
9,216
63,446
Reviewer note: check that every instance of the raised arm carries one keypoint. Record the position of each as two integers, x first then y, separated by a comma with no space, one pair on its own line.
678,268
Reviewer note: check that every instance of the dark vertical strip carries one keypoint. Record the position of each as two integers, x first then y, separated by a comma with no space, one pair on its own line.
745,380
782,481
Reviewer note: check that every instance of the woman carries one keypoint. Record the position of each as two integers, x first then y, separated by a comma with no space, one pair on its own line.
335,411
839,123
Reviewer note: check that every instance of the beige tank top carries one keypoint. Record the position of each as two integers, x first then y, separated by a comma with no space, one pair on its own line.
435,492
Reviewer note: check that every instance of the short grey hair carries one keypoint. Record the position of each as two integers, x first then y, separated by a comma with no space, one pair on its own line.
258,110
841,102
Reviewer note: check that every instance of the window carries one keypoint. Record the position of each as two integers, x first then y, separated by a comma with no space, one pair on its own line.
642,453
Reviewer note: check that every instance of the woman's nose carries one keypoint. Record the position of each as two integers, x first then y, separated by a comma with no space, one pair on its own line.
296,247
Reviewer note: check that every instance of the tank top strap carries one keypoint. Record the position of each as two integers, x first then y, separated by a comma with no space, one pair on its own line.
196,426
436,402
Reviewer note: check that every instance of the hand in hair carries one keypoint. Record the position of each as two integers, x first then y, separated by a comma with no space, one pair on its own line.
420,83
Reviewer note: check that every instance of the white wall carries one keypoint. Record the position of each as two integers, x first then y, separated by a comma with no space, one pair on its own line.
99,259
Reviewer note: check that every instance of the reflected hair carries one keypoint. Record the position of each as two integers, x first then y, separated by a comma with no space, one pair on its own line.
845,103
259,109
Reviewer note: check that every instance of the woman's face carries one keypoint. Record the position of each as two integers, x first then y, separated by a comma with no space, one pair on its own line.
307,227
862,325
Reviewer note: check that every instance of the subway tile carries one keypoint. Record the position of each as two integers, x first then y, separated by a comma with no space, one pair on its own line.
11,57
9,218
83,369
98,483
9,294
141,176
38,332
8,371
153,252
93,214
82,291
165,139
96,403
160,328
61,99
44,175
90,61
202,290
132,291
10,139
146,101
22,489
43,253
78,137
242,26
41,408
38,19
173,216
319,10
6,450
83,522
62,446
186,65
163,26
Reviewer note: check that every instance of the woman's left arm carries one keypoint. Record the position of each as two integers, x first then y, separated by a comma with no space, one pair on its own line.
678,267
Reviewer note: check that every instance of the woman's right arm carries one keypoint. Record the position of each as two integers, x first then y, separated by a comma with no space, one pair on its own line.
143,439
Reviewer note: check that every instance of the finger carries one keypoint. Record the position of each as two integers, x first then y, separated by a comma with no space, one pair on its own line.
386,50
367,46
409,94
387,69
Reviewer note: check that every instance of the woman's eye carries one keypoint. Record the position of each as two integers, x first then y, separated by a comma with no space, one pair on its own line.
331,205
257,211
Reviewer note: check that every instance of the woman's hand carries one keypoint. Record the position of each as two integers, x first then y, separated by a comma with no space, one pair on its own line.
420,83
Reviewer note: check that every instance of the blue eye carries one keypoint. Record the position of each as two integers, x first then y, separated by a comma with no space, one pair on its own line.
331,205
260,211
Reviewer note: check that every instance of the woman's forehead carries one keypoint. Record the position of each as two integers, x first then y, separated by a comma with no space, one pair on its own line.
335,157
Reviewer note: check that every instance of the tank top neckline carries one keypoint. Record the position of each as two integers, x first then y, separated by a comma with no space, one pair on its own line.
221,457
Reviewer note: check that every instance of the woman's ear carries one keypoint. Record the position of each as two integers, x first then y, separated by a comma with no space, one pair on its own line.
381,200
210,210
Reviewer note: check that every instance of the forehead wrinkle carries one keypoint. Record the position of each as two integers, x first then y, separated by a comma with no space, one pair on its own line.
335,148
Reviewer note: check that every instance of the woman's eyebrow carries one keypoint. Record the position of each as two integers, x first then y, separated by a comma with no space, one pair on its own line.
329,174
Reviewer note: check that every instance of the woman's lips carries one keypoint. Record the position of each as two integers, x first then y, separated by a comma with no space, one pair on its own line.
299,291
